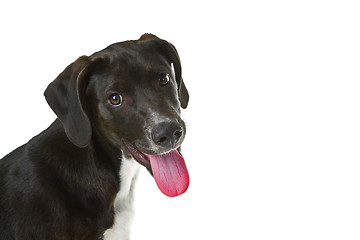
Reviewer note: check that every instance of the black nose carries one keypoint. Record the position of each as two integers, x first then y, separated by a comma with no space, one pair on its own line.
167,134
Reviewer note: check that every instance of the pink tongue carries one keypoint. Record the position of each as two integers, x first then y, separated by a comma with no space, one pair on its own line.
170,173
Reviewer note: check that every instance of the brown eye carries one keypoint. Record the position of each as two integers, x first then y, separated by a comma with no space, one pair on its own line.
115,99
164,79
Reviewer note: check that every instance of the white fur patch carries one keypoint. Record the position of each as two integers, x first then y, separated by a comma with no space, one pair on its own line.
173,70
123,201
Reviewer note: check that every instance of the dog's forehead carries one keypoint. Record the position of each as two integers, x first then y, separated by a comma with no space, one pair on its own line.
145,51
139,60
133,62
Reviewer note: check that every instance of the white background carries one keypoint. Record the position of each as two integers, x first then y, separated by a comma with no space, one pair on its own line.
273,120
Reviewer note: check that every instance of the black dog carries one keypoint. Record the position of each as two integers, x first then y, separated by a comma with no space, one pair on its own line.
116,109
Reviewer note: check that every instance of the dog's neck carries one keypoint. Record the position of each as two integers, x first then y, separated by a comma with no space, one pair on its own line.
124,200
105,153
127,171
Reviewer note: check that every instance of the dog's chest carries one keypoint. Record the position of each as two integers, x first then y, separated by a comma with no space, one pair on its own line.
123,201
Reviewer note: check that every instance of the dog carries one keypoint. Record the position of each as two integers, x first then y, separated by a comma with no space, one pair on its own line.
117,110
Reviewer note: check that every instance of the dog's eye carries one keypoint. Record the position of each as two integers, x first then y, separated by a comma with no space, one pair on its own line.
164,79
115,99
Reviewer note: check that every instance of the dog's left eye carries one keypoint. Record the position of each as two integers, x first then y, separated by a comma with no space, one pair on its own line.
164,79
115,99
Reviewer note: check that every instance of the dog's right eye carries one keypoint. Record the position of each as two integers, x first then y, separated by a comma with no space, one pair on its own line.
164,79
115,99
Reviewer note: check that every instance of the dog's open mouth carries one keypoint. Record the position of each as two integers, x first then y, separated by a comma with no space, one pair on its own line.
169,170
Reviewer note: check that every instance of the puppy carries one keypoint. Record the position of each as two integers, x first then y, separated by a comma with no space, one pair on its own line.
117,110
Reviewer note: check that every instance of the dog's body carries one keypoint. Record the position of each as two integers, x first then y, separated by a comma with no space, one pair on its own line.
117,110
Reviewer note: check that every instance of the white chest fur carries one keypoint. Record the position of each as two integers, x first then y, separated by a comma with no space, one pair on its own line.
123,201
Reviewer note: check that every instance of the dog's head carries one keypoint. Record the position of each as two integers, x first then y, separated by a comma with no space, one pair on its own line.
128,95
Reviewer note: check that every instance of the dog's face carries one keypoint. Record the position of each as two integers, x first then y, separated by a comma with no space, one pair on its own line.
128,95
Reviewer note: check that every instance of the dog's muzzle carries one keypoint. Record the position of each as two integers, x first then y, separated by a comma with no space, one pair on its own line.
167,135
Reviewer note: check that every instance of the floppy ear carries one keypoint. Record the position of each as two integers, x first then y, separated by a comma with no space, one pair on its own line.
183,92
64,97
172,54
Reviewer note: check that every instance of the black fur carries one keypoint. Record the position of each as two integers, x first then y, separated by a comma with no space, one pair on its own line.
61,185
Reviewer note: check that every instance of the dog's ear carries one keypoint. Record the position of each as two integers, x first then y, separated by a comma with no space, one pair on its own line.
64,96
183,92
172,54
